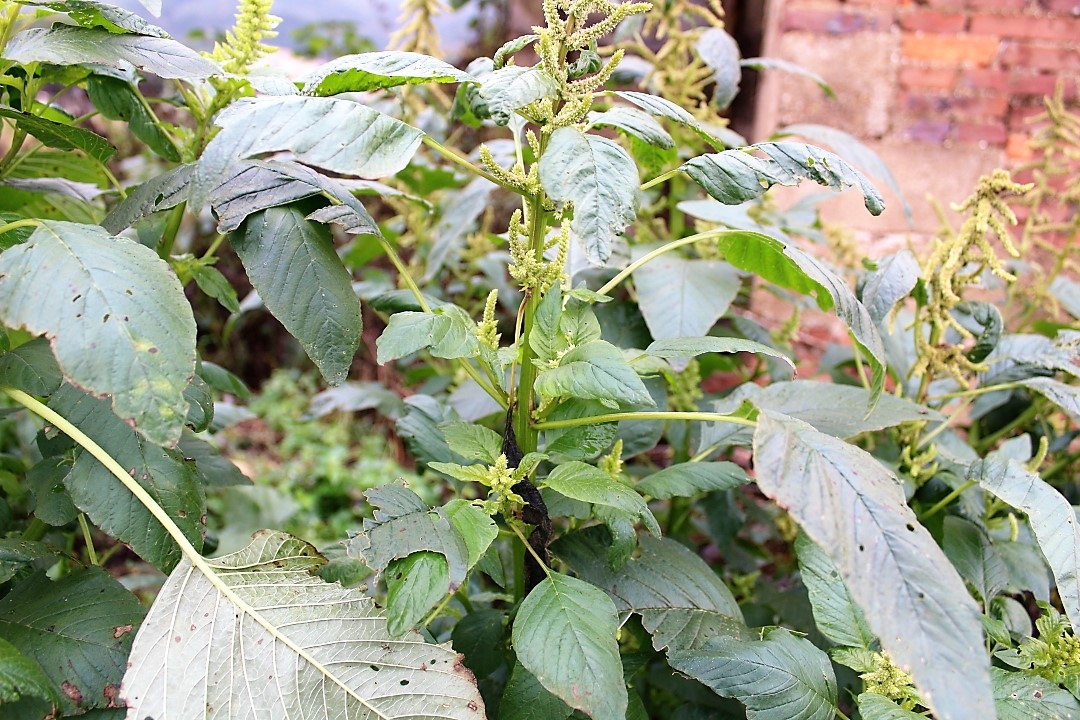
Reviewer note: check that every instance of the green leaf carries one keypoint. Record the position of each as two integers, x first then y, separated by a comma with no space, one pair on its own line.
913,599
18,554
404,525
336,135
779,676
460,213
893,280
482,636
584,482
117,100
253,185
681,600
165,474
420,428
213,468
352,396
447,332
1022,696
52,502
765,63
878,707
77,629
374,70
599,178
688,347
511,88
90,14
681,297
1066,397
200,404
473,441
414,585
691,478
258,630
721,53
1050,516
526,699
634,123
67,45
31,368
544,337
564,634
595,371
22,677
476,529
215,285
835,612
158,193
118,320
583,442
61,135
735,176
293,265
974,556
661,107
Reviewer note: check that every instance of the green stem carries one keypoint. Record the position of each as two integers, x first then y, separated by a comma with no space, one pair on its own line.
526,433
462,162
945,501
212,250
661,178
645,415
35,530
1019,421
1057,467
172,227
17,139
975,391
8,227
89,540
648,257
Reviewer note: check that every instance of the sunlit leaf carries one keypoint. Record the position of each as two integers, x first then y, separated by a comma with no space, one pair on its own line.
595,371
374,70
60,135
691,478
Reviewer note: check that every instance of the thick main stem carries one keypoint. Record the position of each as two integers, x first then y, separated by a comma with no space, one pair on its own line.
523,428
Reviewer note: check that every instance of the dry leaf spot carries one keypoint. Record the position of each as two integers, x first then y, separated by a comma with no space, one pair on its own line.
121,630
72,692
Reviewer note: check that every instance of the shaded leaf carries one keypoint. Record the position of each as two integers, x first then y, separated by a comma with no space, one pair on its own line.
158,193
599,178
766,63
721,53
878,707
835,612
680,297
213,468
507,89
1067,397
22,677
119,322
258,632
913,600
473,441
1022,696
67,45
589,484
31,368
526,699
686,347
634,123
414,585
61,135
476,529
374,70
52,502
892,281
691,478
293,266
77,629
447,332
116,99
972,553
564,634
1050,516
661,107
780,675
595,371
17,554
164,473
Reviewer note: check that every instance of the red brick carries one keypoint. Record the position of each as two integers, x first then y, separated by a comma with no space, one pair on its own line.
834,22
951,49
1024,117
988,133
1040,55
1000,6
955,107
933,21
1016,83
1027,26
927,78
1017,149
1062,7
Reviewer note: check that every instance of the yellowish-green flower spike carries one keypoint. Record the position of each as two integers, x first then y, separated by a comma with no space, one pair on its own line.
488,329
612,463
1056,651
500,478
892,682
244,42
684,388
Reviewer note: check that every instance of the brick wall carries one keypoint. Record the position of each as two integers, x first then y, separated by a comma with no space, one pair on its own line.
944,90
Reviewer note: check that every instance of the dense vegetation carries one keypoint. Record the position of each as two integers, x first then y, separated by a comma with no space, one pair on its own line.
622,502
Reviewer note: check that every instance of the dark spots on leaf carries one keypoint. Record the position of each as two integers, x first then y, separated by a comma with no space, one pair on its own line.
910,527
76,298
121,630
922,596
472,705
51,628
152,351
375,668
105,319
177,638
1038,694
159,198
193,627
112,696
181,513
73,693
403,683
862,548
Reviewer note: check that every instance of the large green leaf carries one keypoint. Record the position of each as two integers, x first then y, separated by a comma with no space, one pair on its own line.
580,481
165,474
1050,516
777,676
257,633
60,135
661,107
336,135
91,14
253,185
633,122
564,634
893,279
447,332
160,192
77,629
687,347
374,70
526,699
835,612
878,707
414,585
690,478
1025,696
595,371
21,676
32,368
599,178
972,553
735,176
681,600
68,45
292,264
913,599
118,320
510,88
682,297
1067,397
118,100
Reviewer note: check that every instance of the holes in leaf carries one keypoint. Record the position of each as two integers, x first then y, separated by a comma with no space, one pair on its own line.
910,527
403,683
375,668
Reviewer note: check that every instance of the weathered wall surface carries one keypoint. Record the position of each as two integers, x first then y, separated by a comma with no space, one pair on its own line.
943,90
